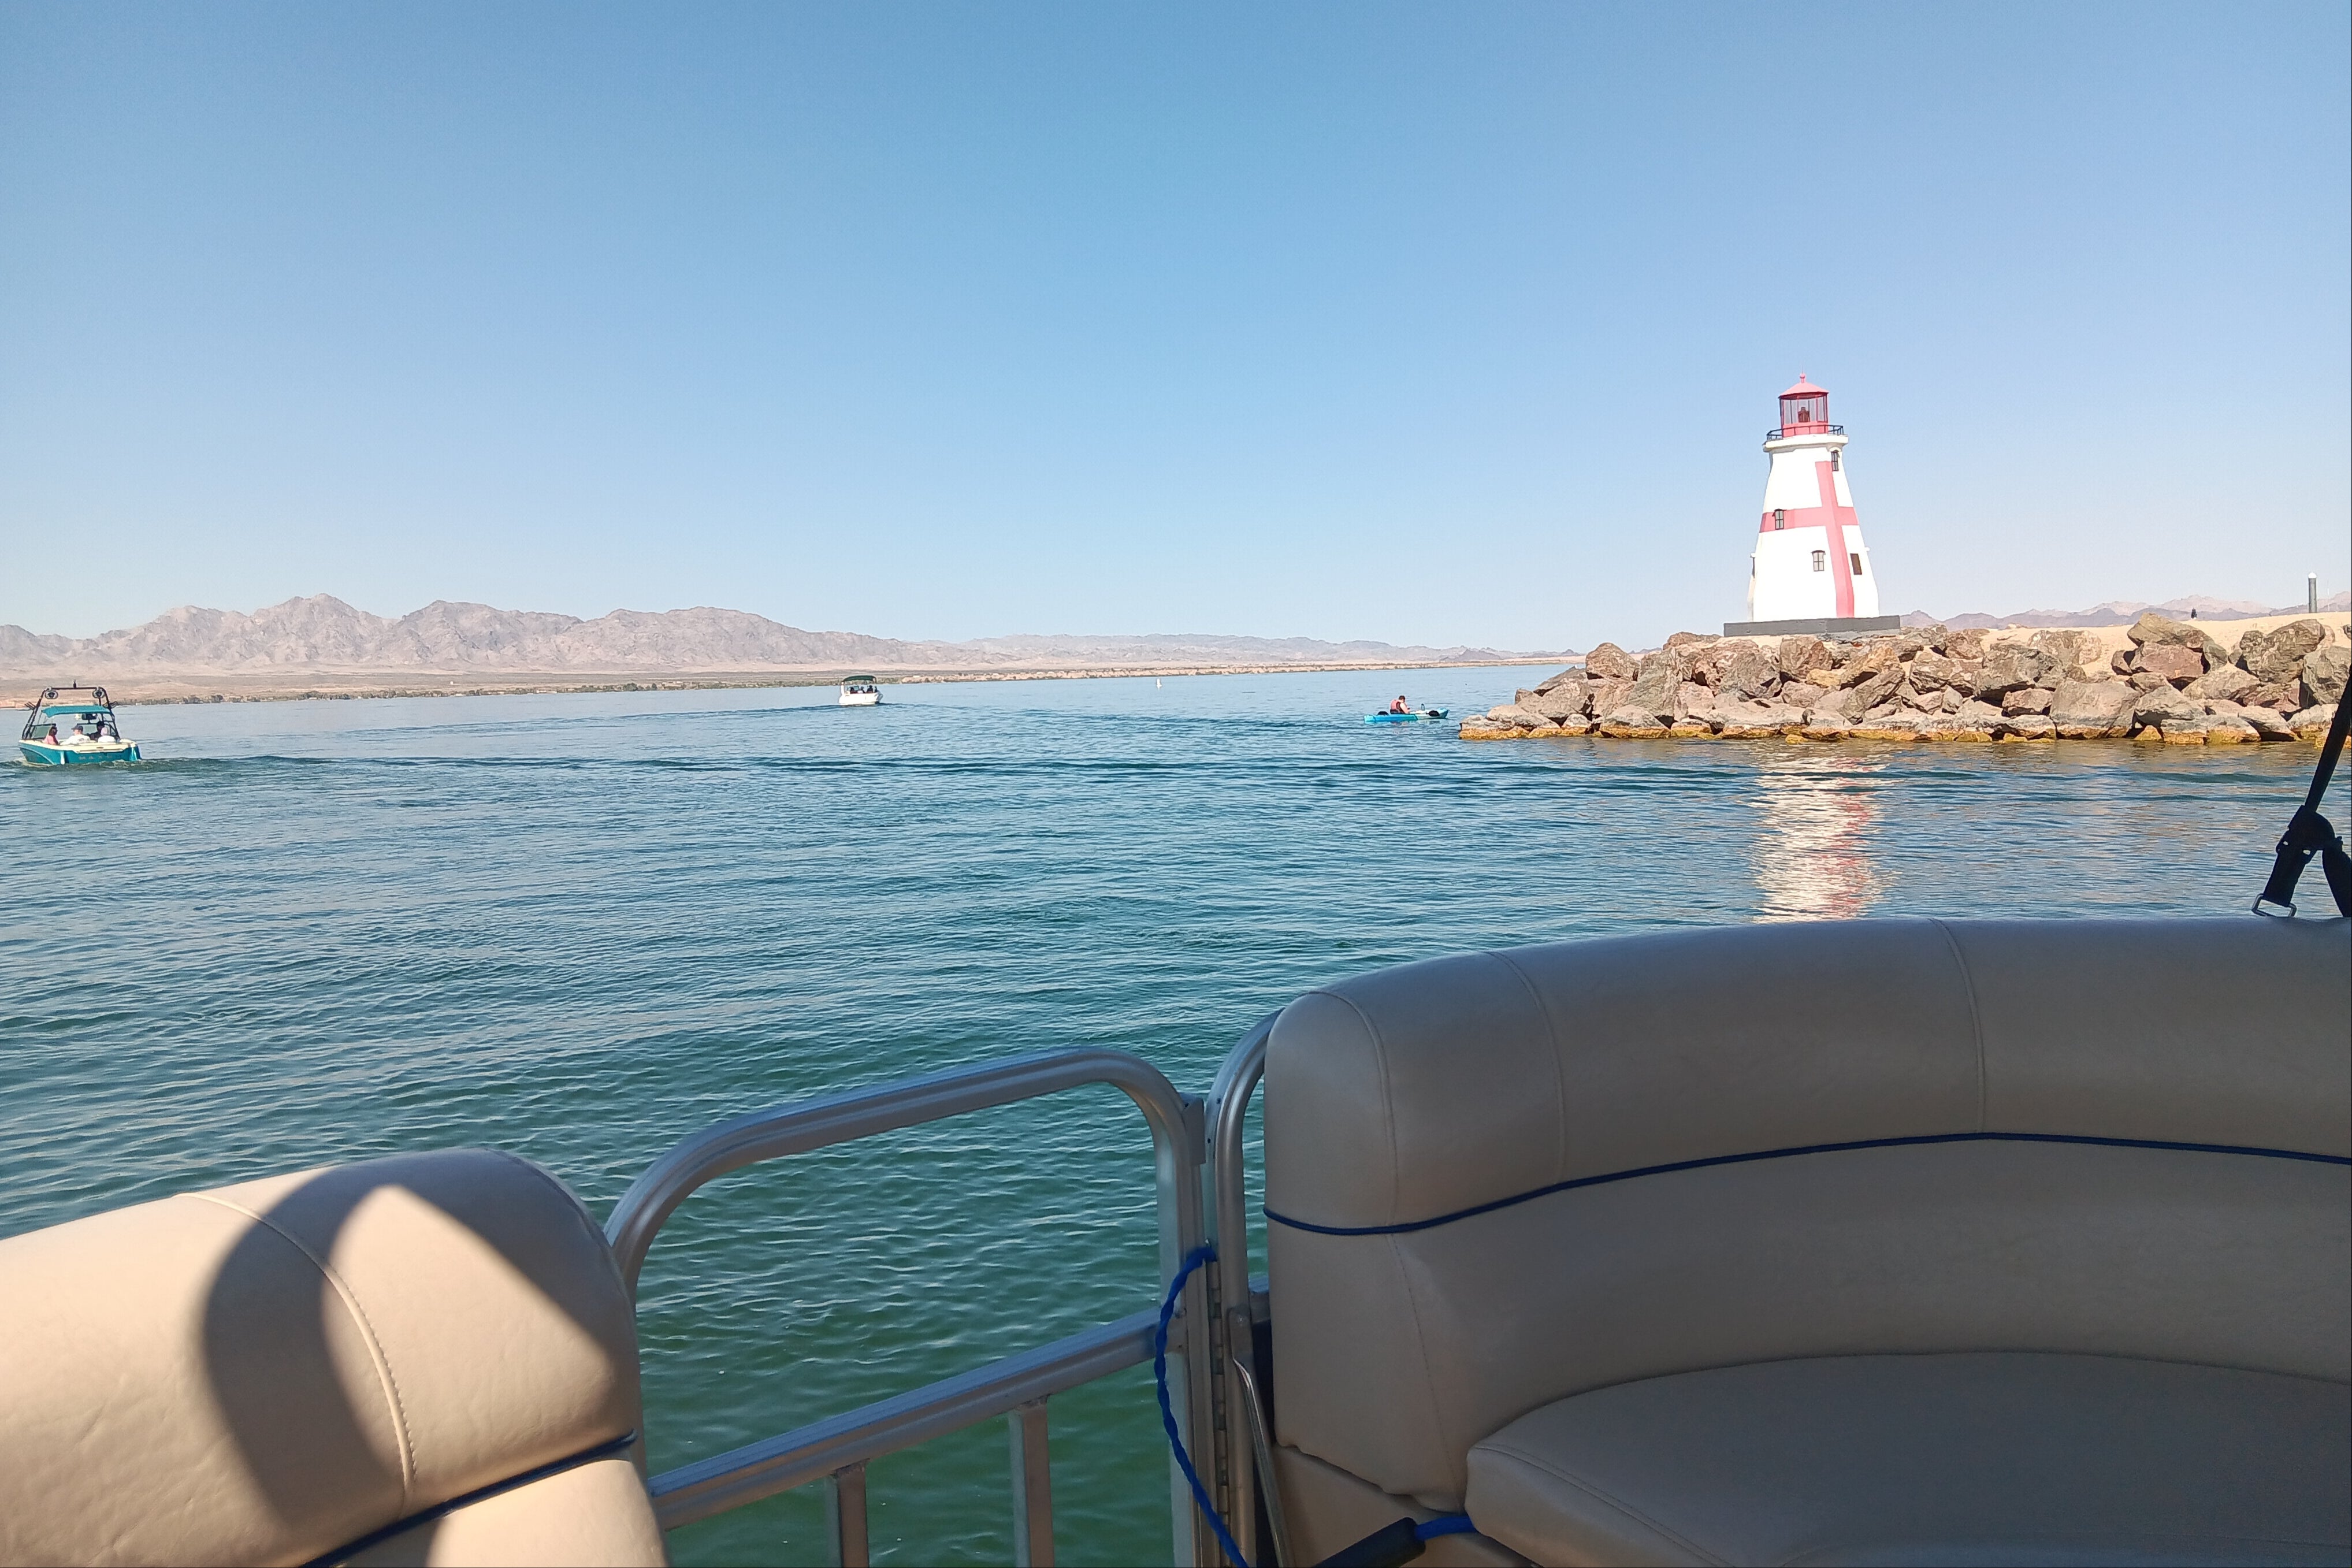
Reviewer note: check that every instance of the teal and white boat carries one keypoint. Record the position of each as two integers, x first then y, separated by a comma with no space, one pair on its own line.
74,724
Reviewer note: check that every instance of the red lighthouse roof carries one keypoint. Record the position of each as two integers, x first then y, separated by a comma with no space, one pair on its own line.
1804,388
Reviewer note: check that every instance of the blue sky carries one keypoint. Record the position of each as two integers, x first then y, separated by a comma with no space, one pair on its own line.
1425,322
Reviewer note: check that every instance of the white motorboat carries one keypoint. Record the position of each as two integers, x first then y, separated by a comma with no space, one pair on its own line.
860,691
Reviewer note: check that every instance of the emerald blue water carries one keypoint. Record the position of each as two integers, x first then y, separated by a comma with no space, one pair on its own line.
582,927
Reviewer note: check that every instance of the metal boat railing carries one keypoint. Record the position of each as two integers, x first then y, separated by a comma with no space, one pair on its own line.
839,1447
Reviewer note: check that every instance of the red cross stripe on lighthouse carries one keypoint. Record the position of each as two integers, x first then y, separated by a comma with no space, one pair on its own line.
1836,519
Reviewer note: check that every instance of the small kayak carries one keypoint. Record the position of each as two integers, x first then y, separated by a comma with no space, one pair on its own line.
1404,718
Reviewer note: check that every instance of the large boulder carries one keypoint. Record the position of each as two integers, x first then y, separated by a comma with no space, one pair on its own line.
1880,687
1978,716
1562,678
2284,696
2312,723
2028,727
1932,672
2162,631
1609,662
1967,645
1801,655
2167,709
1634,723
1691,639
1603,695
2032,700
2323,672
2066,647
1654,690
1874,659
2268,722
2228,729
2278,655
2225,684
1756,720
1517,717
1693,700
1560,702
2087,710
2010,669
1737,667
2170,662
1842,703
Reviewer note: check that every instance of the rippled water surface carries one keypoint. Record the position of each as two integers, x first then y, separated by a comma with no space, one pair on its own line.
582,927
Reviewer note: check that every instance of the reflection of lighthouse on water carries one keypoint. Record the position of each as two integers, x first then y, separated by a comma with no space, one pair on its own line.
1813,856
1810,571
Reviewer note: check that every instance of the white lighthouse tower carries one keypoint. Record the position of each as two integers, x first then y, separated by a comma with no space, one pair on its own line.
1811,571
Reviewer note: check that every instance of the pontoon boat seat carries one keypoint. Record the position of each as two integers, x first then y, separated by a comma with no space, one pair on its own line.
424,1359
1890,1241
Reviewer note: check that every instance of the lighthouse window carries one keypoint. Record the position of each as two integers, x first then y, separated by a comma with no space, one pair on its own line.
1835,466
1821,559
1856,558
1779,518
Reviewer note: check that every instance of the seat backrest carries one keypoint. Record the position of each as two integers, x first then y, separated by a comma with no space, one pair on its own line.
1499,1180
280,1371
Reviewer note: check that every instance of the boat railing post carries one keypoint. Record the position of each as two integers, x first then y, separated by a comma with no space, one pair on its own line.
1190,1368
844,1517
1178,1140
1229,1100
1032,1488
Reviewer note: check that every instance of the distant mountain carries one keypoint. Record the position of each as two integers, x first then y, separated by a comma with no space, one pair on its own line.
323,633
2115,612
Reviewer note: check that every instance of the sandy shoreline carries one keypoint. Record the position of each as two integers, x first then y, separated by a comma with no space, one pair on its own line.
132,688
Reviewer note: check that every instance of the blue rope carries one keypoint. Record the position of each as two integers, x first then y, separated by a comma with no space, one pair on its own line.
1168,1417
1445,1524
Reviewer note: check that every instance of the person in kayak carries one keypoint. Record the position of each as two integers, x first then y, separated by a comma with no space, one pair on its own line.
1398,707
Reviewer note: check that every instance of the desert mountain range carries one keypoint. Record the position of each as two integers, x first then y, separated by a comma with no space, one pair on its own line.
2118,612
321,633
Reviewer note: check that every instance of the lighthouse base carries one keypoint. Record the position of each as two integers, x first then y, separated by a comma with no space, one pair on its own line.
1829,627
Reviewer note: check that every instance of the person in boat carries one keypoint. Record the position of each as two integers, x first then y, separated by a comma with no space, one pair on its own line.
1399,707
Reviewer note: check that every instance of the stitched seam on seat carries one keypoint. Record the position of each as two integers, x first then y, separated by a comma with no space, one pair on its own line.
1388,1100
1535,1463
367,1333
1421,1344
1558,1060
1975,1021
1919,1140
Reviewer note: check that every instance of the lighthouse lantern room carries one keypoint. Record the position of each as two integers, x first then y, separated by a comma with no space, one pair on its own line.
1810,570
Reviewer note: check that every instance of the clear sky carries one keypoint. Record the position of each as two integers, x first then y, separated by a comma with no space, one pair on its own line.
1429,323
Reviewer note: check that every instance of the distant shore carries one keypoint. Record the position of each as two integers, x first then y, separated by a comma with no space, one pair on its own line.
164,688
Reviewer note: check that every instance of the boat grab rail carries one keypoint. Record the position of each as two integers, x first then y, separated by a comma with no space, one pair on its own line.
1018,1386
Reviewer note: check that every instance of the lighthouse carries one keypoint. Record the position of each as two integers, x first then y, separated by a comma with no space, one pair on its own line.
1810,570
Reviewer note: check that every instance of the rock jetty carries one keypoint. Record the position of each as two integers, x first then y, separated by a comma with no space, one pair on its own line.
2171,681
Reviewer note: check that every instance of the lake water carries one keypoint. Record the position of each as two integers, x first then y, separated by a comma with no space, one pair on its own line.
582,927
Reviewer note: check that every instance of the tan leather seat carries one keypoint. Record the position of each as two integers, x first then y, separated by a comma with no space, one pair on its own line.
1987,1456
1540,1219
424,1359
